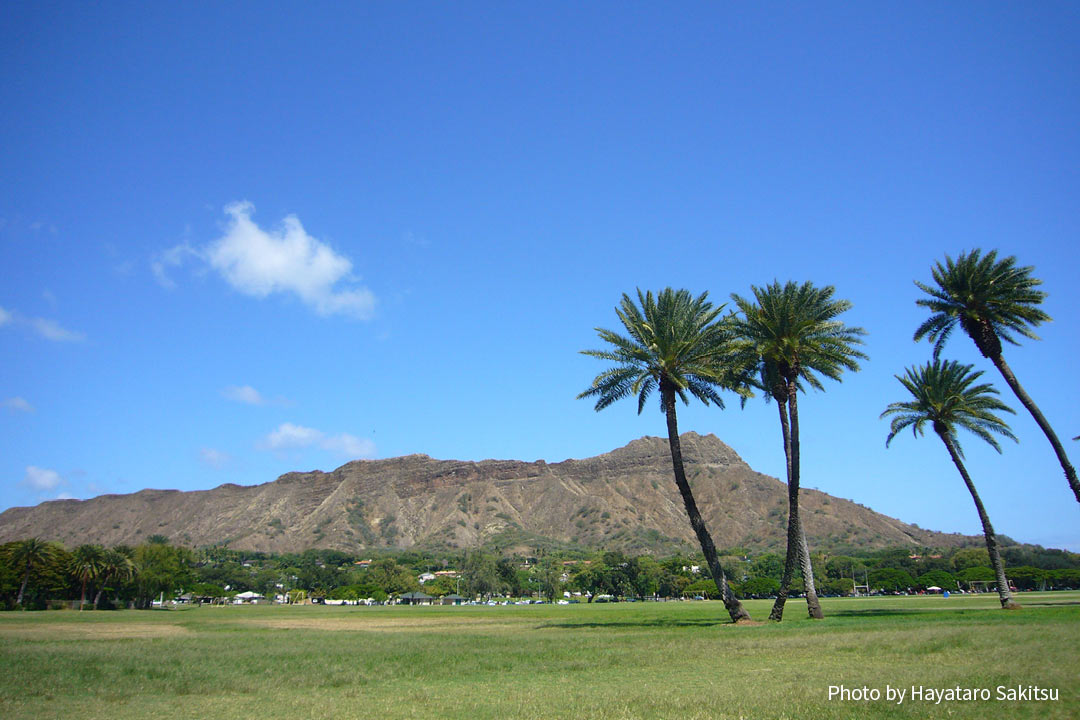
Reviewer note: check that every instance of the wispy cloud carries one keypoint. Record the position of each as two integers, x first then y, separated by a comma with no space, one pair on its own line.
287,260
349,445
248,395
48,329
174,257
288,436
42,479
243,394
214,458
52,330
17,404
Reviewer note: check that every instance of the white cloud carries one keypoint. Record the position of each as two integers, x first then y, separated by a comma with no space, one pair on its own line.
18,404
285,260
42,478
51,330
48,329
171,258
291,437
243,394
214,458
66,496
350,445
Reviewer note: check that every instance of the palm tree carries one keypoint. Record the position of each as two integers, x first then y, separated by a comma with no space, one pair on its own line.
86,566
990,300
792,335
947,398
676,344
31,554
116,566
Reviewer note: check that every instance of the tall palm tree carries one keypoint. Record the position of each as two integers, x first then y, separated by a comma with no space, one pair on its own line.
31,554
117,567
947,398
792,335
679,345
990,299
86,566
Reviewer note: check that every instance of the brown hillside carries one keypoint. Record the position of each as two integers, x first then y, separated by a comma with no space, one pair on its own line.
625,500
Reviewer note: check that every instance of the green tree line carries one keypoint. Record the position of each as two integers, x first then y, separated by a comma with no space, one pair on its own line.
37,575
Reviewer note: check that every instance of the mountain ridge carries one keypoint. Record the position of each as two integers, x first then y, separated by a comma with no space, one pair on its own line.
624,499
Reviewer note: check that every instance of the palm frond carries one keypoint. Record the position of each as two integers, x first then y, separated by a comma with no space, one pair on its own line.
947,395
981,291
794,332
670,337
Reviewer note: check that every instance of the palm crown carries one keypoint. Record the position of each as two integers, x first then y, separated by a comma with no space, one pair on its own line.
990,299
32,551
947,397
87,561
673,338
794,332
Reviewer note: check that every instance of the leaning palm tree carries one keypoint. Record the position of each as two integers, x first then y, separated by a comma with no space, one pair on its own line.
679,345
86,565
947,398
31,554
990,299
792,336
116,567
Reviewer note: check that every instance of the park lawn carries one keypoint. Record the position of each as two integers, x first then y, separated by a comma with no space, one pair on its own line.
627,660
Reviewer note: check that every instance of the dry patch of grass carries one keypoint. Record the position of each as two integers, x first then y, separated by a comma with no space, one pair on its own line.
360,623
90,631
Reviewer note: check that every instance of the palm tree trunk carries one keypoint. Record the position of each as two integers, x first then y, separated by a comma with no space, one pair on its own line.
777,613
812,605
734,607
797,548
1040,419
1007,602
22,588
82,600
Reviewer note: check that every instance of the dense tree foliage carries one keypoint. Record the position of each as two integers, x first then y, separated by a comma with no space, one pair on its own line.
134,577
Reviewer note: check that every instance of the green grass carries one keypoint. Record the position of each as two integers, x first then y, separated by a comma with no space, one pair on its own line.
641,660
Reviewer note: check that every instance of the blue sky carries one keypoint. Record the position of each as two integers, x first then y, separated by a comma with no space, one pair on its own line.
239,241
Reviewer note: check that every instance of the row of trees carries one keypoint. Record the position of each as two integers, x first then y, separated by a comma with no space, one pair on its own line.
788,337
34,573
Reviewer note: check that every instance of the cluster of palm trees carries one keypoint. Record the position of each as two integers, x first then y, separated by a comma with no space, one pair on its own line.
990,300
92,565
789,336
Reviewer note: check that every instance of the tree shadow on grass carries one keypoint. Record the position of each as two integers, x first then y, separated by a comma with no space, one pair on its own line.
891,612
643,623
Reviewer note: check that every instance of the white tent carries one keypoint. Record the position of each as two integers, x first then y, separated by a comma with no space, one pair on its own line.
933,587
248,596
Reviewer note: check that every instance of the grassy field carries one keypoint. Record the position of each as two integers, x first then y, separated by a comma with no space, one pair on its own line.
639,660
